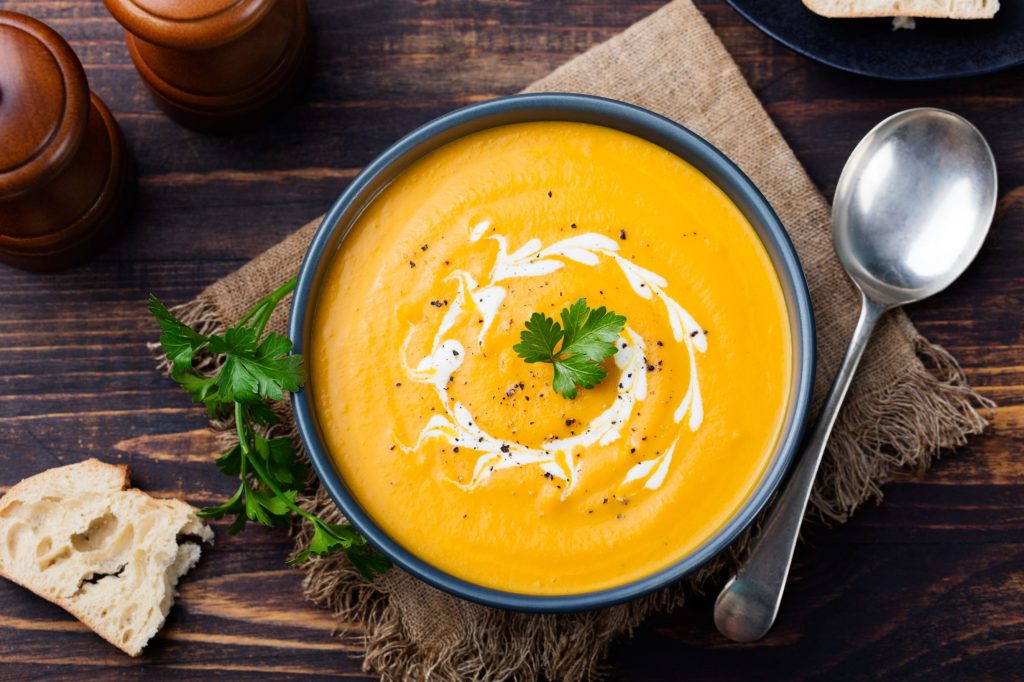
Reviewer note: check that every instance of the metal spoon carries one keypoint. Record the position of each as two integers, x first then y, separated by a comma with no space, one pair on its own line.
911,211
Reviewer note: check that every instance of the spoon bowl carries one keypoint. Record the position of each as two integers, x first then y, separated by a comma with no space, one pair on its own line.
913,205
912,208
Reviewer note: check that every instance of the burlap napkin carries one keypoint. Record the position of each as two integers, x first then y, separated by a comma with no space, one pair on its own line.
898,414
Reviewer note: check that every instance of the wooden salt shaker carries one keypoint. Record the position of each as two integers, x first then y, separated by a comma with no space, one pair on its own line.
215,64
65,175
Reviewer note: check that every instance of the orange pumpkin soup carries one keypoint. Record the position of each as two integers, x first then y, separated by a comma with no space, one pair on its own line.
461,451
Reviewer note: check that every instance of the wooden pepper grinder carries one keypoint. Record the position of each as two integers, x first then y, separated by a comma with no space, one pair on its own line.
65,176
216,64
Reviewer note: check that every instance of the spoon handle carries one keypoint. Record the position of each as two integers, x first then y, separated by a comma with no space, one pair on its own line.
747,605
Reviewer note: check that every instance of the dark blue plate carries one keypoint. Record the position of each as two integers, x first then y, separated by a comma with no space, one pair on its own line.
558,107
937,48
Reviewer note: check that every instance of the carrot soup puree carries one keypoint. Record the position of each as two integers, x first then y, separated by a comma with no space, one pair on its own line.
465,453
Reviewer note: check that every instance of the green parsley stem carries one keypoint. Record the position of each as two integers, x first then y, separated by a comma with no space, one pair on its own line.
265,479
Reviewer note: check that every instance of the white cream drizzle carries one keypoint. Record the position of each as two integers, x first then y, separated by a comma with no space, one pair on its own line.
457,425
653,470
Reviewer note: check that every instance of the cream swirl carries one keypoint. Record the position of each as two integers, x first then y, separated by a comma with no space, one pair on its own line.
459,428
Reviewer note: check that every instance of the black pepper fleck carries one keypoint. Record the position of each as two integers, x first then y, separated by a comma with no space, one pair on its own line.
411,264
424,247
570,422
549,194
622,235
505,448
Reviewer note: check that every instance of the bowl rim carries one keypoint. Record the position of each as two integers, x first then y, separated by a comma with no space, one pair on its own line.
610,113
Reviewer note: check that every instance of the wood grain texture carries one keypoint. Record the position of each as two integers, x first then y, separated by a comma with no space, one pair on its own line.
929,585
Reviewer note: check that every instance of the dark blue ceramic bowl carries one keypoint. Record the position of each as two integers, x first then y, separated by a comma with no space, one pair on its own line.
586,109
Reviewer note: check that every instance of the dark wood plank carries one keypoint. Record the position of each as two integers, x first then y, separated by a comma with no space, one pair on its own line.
931,584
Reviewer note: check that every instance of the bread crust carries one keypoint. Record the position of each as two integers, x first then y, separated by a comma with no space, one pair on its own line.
852,9
119,476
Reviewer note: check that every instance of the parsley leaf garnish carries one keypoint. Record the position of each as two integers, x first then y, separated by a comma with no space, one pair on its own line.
587,338
257,367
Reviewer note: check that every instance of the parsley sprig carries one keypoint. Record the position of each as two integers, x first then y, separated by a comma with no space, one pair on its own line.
587,338
257,368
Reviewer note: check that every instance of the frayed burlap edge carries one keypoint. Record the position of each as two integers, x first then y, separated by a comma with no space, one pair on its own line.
904,426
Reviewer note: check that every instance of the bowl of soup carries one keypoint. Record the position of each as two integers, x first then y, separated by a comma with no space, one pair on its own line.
458,459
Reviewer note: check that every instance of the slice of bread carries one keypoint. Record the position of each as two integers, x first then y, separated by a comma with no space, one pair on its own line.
943,9
111,556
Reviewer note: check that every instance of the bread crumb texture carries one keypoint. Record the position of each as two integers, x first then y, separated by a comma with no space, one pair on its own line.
941,9
111,556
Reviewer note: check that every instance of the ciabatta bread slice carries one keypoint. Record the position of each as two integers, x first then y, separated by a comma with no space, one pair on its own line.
944,9
111,556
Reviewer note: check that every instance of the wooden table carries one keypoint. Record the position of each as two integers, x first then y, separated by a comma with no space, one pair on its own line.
929,584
